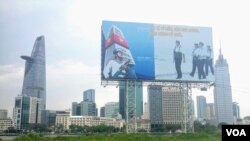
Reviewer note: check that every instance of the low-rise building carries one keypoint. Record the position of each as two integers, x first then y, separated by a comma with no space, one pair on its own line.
143,124
66,120
95,121
5,124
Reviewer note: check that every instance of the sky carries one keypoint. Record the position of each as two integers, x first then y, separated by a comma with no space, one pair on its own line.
72,30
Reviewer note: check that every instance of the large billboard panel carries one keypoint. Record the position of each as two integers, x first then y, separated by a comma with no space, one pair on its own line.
144,51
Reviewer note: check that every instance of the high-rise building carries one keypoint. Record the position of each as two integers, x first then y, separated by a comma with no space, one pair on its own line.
102,112
201,107
96,111
172,105
84,108
210,111
236,110
222,92
137,89
3,114
145,111
89,95
112,109
155,105
192,108
48,117
167,106
88,108
76,109
26,111
34,82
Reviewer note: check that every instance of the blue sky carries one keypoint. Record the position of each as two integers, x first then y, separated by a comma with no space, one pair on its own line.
72,31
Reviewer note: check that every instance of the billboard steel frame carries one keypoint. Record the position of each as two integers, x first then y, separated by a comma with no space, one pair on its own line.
131,124
185,87
188,120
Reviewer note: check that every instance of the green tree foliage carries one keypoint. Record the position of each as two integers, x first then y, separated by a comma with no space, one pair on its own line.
12,130
39,128
166,128
59,128
124,137
93,129
198,127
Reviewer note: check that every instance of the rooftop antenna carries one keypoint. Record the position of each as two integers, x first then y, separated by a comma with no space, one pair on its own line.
220,47
220,55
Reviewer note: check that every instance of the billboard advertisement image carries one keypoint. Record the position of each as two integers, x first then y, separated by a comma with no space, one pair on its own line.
156,52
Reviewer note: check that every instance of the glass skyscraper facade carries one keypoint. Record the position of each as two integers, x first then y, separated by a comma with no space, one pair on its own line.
137,89
48,117
87,107
84,108
201,107
236,110
111,109
222,92
89,95
210,111
155,105
3,114
76,109
26,111
34,82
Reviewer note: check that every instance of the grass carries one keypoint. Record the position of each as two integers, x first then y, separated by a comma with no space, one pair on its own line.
124,137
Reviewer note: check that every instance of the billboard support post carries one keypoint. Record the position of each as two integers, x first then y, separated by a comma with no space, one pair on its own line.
188,123
131,124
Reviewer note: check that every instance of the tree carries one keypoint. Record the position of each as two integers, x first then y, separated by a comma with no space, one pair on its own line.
39,127
171,127
59,128
73,128
12,130
198,127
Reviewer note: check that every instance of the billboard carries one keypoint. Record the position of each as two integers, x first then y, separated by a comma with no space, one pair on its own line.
156,52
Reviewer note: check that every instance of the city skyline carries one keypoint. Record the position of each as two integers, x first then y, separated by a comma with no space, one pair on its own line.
73,44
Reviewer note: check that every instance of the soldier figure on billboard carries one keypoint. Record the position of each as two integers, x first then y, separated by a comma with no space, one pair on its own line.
201,61
118,67
195,59
178,58
209,61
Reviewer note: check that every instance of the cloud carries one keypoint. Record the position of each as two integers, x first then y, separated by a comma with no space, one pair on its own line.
72,68
21,7
11,77
8,73
66,81
28,6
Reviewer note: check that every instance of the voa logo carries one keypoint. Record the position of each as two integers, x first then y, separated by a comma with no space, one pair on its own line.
236,132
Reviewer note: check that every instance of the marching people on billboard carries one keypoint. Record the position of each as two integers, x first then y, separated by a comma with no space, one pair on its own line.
178,58
209,61
195,54
202,56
